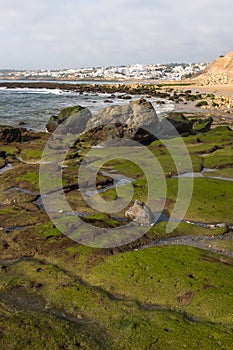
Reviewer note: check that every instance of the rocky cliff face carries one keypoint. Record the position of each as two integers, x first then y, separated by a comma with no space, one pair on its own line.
218,72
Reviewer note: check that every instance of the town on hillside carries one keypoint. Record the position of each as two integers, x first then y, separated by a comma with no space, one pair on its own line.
171,71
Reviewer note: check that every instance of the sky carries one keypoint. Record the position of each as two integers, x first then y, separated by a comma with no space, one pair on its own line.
56,34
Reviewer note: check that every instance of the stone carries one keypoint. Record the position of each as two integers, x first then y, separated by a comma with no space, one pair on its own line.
136,120
52,124
3,154
202,125
186,299
140,213
177,120
223,225
212,227
78,117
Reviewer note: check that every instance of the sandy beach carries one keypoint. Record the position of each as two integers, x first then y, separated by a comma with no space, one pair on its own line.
219,90
222,115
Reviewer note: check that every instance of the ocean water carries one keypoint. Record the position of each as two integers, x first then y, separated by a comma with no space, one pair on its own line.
35,106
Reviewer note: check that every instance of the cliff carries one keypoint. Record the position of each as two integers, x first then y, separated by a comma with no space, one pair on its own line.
219,71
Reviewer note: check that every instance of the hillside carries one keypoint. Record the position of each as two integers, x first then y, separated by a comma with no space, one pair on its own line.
219,71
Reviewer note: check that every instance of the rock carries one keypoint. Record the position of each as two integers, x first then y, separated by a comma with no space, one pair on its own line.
126,122
186,299
223,225
126,97
140,213
75,124
182,124
202,125
3,154
52,124
212,227
38,285
8,134
4,245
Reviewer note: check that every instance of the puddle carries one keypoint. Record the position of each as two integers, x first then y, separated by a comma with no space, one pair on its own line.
39,203
118,181
10,229
202,242
200,174
7,167
165,218
22,190
19,299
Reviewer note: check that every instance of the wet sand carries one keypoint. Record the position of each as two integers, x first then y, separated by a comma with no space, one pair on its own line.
219,90
222,115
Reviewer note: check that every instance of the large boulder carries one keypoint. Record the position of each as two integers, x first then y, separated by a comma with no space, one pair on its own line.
131,121
177,121
78,115
140,213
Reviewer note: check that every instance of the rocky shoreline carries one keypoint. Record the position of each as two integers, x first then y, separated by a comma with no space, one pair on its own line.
21,150
73,296
214,101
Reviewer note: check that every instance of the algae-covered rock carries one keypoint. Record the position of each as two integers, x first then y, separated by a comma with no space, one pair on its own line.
77,123
8,134
202,125
2,159
182,124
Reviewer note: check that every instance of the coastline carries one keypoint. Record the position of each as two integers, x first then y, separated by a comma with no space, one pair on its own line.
174,91
47,276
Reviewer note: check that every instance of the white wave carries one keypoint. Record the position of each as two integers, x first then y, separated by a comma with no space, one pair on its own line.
33,90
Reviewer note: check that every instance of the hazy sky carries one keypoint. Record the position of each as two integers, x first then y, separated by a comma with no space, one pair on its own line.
37,34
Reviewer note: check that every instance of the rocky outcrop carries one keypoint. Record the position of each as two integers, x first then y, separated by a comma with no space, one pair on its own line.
127,122
136,114
136,121
76,124
140,213
10,134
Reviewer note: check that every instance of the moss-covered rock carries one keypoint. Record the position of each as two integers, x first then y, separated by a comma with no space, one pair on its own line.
66,113
202,125
202,103
182,124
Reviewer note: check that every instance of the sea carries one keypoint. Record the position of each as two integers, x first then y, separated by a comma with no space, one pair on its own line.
35,106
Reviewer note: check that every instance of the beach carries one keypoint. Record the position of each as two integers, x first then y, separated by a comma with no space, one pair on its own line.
72,274
91,95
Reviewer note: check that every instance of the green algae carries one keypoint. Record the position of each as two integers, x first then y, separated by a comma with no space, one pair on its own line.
168,273
220,158
212,199
30,176
120,313
159,298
